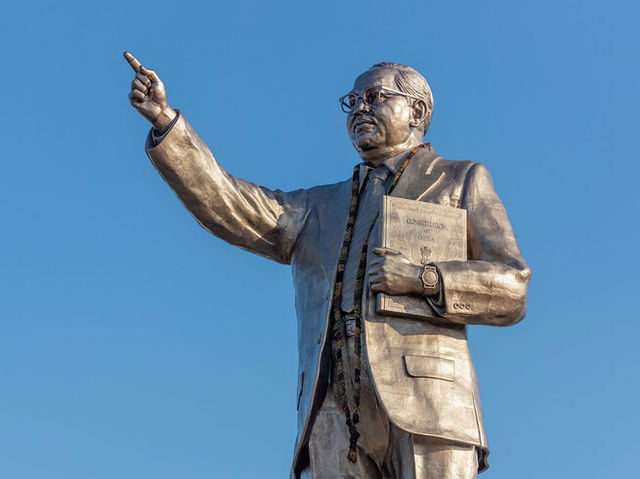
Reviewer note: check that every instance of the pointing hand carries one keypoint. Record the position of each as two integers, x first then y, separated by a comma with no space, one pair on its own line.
148,95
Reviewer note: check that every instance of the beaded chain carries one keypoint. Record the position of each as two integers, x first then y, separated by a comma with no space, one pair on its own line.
339,318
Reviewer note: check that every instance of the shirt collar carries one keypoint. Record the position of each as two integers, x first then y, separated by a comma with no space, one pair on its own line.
392,164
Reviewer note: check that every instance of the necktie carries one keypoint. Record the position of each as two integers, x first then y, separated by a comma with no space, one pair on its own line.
367,212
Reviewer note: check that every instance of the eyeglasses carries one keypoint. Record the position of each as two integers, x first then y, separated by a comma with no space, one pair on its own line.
370,96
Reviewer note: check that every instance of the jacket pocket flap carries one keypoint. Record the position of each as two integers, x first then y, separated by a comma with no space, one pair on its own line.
430,367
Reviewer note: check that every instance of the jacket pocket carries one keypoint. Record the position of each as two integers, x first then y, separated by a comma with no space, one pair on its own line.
430,367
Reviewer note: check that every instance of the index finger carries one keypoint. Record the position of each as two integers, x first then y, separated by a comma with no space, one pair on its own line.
133,61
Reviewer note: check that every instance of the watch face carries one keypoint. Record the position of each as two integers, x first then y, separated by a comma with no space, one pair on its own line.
430,277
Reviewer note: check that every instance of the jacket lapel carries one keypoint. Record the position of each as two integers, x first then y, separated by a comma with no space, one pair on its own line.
422,176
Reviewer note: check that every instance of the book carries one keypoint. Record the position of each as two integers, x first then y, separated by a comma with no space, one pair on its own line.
424,233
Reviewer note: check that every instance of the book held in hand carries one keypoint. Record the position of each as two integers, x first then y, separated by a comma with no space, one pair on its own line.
424,233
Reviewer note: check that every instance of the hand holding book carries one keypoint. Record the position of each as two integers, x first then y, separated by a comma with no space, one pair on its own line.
393,273
415,234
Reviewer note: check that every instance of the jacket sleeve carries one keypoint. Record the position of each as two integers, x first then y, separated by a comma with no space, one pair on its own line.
257,219
491,286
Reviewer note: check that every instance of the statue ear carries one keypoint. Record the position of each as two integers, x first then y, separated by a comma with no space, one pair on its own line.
420,112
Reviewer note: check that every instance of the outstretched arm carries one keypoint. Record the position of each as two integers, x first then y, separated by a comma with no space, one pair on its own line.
257,219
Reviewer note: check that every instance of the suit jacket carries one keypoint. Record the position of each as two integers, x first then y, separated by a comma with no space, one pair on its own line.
421,370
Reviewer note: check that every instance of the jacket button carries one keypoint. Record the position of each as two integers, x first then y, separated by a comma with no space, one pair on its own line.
318,340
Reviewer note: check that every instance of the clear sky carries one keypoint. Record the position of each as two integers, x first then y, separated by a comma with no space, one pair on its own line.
133,344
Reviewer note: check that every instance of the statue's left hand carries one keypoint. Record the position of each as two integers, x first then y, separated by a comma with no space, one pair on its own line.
391,272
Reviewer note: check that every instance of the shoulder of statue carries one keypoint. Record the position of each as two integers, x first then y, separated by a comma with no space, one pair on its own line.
327,190
429,160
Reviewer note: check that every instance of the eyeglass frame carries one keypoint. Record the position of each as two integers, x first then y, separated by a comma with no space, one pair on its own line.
379,87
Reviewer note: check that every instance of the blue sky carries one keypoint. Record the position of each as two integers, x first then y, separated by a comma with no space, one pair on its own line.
133,344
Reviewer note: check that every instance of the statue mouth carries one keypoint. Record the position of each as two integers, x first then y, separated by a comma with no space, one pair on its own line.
363,124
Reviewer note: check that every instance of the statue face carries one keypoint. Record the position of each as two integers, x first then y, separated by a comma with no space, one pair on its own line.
383,124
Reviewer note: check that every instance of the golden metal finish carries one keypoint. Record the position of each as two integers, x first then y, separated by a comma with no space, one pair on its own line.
420,371
425,233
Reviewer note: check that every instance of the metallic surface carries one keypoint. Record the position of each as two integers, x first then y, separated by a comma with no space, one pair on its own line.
425,233
385,451
421,371
370,96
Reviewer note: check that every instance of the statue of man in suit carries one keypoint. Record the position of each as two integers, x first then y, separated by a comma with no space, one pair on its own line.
378,396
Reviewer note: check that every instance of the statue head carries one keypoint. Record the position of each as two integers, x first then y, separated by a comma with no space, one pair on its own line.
388,110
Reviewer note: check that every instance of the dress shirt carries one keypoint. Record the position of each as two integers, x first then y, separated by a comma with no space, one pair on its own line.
376,182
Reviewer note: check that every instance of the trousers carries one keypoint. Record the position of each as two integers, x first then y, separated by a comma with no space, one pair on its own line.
384,450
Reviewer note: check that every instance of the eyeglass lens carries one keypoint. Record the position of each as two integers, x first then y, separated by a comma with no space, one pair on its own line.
370,96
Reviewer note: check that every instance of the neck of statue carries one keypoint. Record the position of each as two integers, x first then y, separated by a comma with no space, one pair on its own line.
377,156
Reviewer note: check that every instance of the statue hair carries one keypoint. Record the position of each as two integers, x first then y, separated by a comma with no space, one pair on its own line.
411,82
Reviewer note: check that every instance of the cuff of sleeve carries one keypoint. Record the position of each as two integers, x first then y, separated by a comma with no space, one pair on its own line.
156,138
436,301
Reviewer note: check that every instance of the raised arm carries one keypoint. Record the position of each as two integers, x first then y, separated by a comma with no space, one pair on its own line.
254,218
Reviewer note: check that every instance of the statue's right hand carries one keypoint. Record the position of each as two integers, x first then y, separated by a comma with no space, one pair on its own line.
149,96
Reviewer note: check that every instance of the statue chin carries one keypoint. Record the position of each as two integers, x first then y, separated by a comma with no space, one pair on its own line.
366,141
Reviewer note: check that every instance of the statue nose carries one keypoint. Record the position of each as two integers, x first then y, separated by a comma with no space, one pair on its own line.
360,106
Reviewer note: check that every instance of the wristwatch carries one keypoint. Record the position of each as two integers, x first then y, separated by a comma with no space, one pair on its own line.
430,280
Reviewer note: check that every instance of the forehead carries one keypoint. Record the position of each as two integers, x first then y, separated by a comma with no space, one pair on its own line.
376,77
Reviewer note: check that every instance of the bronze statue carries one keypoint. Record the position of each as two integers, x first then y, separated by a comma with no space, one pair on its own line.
379,396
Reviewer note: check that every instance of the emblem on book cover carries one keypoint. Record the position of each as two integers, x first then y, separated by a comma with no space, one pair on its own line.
425,254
